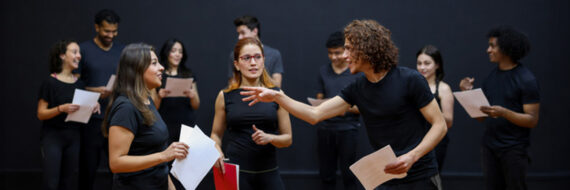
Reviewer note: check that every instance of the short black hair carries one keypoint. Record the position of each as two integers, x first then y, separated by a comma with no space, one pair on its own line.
511,42
336,39
250,21
107,15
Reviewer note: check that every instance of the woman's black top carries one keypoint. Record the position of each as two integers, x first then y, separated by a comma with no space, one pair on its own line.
240,117
147,140
56,93
176,110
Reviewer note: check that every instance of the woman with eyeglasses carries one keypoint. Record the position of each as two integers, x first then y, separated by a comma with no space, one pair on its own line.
254,132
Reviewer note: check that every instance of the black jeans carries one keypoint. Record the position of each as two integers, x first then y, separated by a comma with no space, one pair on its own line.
93,147
337,148
431,183
60,148
505,169
261,181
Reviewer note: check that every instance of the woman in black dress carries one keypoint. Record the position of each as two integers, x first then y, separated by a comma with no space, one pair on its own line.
138,137
254,131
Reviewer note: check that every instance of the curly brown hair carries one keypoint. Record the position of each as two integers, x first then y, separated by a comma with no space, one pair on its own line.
372,42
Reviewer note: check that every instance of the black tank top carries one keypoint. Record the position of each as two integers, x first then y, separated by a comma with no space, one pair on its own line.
240,117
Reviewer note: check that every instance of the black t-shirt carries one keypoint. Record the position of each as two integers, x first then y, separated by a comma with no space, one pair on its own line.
97,66
147,140
176,110
56,93
510,89
240,117
330,84
391,112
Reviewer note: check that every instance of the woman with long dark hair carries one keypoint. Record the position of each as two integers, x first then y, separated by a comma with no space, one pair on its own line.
138,137
430,65
176,110
254,132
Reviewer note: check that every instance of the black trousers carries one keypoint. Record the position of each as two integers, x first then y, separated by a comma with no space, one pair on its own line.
93,149
261,181
505,169
337,148
441,152
431,183
60,148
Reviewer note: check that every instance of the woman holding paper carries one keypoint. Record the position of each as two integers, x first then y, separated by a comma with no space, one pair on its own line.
138,149
60,139
176,110
254,132
430,65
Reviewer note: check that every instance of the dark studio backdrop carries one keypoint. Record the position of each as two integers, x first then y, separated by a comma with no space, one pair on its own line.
299,30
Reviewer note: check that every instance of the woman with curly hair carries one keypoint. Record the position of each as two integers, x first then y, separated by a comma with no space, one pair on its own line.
396,104
513,92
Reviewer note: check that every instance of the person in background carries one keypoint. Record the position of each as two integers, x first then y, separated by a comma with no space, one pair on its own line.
430,65
60,139
337,137
513,93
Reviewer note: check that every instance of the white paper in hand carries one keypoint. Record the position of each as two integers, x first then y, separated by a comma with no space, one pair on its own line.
472,100
202,155
370,169
86,101
177,86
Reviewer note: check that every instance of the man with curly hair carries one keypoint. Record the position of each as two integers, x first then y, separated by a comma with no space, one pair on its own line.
513,92
395,102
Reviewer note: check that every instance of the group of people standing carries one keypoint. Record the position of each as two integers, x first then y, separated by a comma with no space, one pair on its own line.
137,125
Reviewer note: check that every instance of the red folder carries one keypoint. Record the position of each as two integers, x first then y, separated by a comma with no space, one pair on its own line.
229,180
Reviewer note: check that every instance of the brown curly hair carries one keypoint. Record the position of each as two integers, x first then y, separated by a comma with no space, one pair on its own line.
372,42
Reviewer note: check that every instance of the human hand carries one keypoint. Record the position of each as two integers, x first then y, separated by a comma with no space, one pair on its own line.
68,108
97,108
104,91
176,150
163,92
466,83
402,164
258,94
493,111
189,93
260,137
220,163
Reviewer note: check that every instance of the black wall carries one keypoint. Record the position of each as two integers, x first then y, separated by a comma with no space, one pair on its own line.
298,29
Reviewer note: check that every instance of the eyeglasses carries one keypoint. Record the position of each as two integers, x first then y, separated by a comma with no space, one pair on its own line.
247,58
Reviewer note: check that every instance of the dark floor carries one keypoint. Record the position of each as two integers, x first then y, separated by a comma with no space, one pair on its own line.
19,180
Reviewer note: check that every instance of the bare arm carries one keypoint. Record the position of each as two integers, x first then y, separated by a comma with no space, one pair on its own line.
101,89
438,129
219,127
45,113
527,119
276,79
330,108
195,99
446,97
120,140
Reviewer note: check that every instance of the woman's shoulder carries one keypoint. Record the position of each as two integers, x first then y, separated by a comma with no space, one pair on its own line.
444,87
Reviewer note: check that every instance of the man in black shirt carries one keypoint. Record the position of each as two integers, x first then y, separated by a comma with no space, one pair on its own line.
512,90
395,103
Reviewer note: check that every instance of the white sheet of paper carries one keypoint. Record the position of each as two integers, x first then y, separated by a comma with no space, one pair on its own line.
110,83
177,86
316,102
87,101
370,169
472,100
202,155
